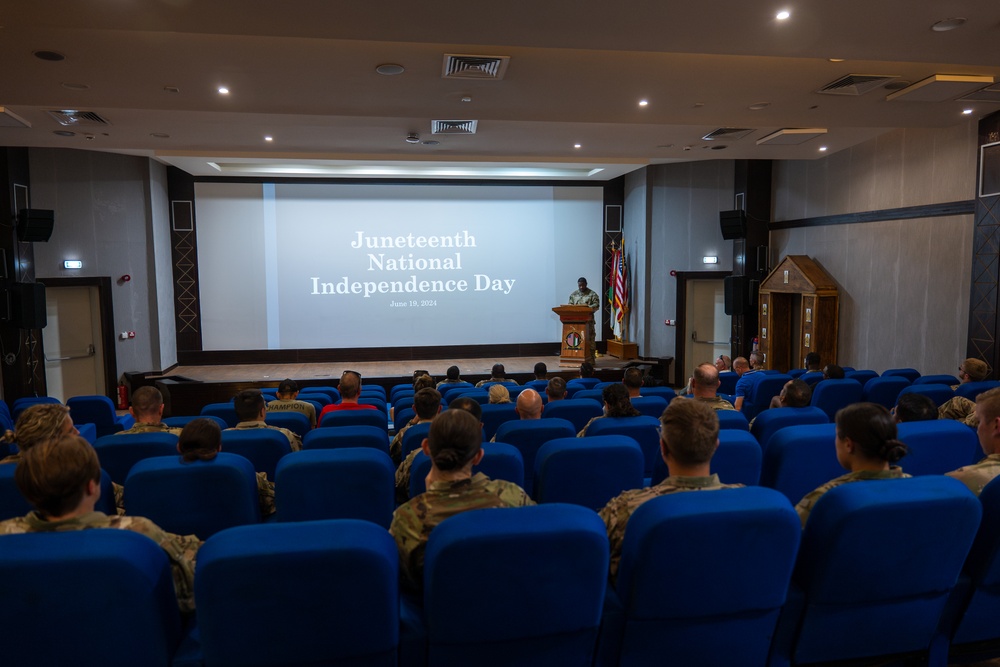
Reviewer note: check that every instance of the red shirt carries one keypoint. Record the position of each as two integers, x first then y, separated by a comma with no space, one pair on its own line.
336,407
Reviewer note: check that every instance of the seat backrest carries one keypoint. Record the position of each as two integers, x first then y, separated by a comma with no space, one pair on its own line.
181,422
398,390
25,401
800,458
334,582
350,483
224,411
197,498
118,453
667,606
665,393
402,416
884,390
548,567
12,503
587,471
83,583
356,418
737,460
812,377
862,376
937,446
651,406
978,619
910,374
876,550
528,435
578,411
332,392
588,383
377,401
642,429
264,447
96,410
501,461
590,395
970,390
452,390
939,393
942,378
480,396
496,414
766,387
296,422
727,382
771,421
732,419
414,436
339,437
831,396
317,397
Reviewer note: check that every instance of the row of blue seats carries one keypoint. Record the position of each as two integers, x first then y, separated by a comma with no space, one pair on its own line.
908,566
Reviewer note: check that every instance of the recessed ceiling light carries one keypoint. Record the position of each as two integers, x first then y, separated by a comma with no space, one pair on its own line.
948,24
577,145
643,103
268,138
390,69
783,14
466,99
967,112
759,105
159,135
74,86
836,60
698,104
822,148
51,56
223,90
64,133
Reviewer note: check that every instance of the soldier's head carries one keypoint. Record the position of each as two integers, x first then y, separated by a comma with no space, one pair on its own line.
632,380
529,404
795,394
973,370
452,374
705,380
200,440
833,372
586,370
541,370
556,389
813,362
427,403
617,402
147,405
498,394
454,441
914,407
469,405
350,385
249,405
59,476
689,432
288,389
498,371
988,414
581,283
41,422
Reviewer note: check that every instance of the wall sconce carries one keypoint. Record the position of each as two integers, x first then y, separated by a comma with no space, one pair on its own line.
72,264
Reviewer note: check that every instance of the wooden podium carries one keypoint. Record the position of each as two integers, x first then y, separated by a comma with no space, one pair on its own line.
575,345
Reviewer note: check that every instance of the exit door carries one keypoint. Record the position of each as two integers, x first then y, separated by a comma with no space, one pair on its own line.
709,328
74,355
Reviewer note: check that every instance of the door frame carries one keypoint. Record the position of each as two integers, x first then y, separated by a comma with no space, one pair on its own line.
107,317
680,364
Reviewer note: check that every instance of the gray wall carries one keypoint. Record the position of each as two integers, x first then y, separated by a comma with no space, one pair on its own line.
904,284
110,212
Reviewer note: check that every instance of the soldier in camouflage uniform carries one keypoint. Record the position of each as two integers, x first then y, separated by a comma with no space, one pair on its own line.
147,408
960,408
498,374
288,390
866,445
987,412
426,405
704,385
201,440
454,445
251,408
38,423
584,296
689,436
61,478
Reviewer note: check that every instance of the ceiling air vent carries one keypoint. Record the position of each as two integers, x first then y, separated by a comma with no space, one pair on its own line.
727,133
791,136
453,126
474,67
987,94
77,118
856,84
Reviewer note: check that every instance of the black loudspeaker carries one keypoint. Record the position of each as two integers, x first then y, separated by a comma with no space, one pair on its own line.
34,224
737,294
27,306
733,224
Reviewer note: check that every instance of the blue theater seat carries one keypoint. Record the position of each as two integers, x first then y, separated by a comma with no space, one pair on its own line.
884,390
644,430
264,447
339,437
578,411
501,461
830,396
118,453
771,421
938,446
800,458
99,411
528,435
587,471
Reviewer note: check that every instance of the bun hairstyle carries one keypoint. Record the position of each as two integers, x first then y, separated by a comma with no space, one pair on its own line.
200,440
873,430
454,439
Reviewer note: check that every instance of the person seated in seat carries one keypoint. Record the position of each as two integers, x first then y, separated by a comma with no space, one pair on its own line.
832,372
61,478
201,440
147,408
36,424
499,394
689,436
866,445
350,391
960,408
402,479
586,370
723,363
426,406
914,407
451,376
616,404
251,409
704,384
454,446
632,379
813,363
498,374
794,394
748,378
528,406
541,371
288,392
556,389
978,475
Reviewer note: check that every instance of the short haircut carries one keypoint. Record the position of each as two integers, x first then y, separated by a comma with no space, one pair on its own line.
556,388
690,431
757,358
452,373
146,401
469,405
705,376
498,371
53,474
797,393
529,404
422,381
872,429
541,370
455,437
914,407
988,403
350,385
586,370
976,369
498,394
632,378
617,401
288,386
427,402
38,423
740,362
813,361
581,279
248,404
200,440
833,372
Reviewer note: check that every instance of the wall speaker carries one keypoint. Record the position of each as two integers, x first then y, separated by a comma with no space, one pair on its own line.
733,224
34,224
27,306
737,291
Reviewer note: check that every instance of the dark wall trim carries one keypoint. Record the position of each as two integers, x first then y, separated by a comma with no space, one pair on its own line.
965,207
358,354
396,181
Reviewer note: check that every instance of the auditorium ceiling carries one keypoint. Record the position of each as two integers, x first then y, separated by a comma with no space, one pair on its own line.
555,87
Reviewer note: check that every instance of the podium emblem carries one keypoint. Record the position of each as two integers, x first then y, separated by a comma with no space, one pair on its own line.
573,340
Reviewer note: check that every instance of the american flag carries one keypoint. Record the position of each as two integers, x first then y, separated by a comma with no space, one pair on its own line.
619,284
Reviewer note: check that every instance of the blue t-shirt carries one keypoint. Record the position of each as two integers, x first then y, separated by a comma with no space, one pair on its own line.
746,382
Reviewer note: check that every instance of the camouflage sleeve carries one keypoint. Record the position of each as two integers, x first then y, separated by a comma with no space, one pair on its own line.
960,409
583,431
403,477
265,494
513,495
119,492
615,517
407,529
182,551
805,506
293,440
396,446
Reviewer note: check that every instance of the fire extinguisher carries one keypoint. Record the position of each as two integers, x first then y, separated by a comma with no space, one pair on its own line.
122,397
